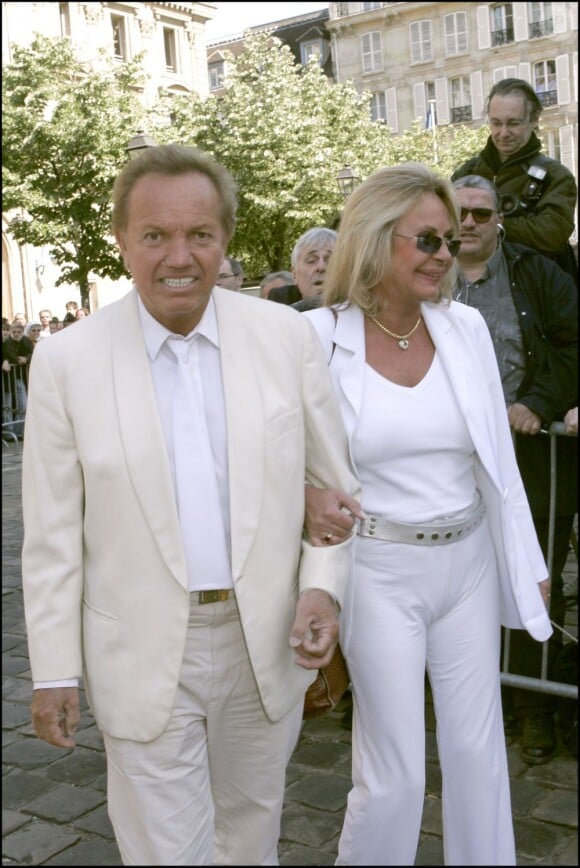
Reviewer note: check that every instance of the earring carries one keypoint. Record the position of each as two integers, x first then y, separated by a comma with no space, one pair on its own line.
500,232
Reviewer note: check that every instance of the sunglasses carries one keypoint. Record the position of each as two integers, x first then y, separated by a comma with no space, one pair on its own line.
480,215
427,242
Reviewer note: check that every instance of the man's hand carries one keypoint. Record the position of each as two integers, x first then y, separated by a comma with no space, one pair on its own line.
330,515
545,587
56,715
523,420
315,629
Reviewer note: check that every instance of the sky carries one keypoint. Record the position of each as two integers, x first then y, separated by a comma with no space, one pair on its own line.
233,18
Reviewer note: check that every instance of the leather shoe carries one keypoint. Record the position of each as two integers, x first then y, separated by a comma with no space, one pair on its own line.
538,744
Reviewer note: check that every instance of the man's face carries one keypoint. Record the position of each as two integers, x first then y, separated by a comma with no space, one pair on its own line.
16,331
310,269
509,124
478,240
5,332
173,245
227,278
45,317
34,333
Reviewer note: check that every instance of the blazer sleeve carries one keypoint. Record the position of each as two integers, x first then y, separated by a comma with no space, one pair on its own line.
327,466
53,504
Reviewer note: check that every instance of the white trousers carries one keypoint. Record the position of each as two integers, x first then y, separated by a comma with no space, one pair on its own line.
210,789
410,607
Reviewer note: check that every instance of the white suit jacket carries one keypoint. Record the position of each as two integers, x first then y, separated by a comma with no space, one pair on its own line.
104,576
464,345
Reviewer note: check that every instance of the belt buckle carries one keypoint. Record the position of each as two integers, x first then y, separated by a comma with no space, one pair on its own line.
218,596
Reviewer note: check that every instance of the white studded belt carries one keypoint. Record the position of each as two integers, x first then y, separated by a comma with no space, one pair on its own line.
437,534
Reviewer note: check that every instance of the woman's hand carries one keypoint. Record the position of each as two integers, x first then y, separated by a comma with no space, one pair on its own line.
330,515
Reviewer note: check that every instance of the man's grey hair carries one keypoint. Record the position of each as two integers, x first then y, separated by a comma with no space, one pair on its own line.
274,275
317,235
476,182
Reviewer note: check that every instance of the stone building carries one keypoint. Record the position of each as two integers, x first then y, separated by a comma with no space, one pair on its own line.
172,38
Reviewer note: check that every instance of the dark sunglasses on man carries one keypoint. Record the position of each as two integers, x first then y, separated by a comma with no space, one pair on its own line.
480,215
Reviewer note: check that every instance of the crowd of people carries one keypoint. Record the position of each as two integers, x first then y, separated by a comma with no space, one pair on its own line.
364,459
19,338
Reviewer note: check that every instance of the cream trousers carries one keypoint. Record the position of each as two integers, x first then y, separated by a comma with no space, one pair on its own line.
210,789
410,607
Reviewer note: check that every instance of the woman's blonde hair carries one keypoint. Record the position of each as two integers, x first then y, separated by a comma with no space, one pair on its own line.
362,254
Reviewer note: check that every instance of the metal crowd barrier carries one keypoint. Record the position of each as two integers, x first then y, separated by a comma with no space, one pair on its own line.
14,395
543,684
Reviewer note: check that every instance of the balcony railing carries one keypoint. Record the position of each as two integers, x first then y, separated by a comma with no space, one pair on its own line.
548,97
461,115
541,28
502,37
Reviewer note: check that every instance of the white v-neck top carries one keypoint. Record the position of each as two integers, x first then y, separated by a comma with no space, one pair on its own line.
412,449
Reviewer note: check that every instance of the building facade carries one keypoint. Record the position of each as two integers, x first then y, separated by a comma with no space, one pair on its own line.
172,39
306,35
436,62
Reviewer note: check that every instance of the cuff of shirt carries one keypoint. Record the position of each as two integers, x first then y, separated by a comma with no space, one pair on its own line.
64,682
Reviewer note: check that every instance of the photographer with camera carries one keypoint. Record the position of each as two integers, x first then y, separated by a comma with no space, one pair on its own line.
537,193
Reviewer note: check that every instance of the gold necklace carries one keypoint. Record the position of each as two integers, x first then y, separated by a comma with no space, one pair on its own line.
402,339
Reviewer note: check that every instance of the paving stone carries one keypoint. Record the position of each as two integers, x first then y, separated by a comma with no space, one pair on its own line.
293,855
559,772
320,789
19,787
429,851
63,803
536,840
324,755
97,822
93,852
31,753
525,796
310,828
35,843
79,767
14,714
558,806
12,820
431,822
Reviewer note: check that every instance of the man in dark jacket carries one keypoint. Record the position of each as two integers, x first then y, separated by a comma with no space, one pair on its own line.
530,306
537,194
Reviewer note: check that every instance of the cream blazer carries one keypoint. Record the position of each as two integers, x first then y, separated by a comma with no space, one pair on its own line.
464,345
104,576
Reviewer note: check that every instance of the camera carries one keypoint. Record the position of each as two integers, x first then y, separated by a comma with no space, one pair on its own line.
511,204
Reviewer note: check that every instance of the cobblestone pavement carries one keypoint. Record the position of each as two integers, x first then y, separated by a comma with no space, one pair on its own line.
54,802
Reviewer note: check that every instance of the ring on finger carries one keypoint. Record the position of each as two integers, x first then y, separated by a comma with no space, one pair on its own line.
327,536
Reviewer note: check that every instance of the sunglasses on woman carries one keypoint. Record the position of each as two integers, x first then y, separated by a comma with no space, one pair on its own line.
480,215
428,242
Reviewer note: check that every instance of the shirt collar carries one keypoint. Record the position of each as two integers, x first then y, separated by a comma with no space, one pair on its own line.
156,334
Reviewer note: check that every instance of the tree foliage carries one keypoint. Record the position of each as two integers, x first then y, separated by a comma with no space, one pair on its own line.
284,131
64,133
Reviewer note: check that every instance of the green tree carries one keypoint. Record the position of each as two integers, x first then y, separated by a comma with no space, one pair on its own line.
284,131
64,133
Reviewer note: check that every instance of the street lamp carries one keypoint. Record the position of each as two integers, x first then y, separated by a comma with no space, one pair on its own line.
139,143
347,181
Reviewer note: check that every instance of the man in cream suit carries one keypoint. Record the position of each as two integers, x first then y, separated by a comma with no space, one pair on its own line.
187,630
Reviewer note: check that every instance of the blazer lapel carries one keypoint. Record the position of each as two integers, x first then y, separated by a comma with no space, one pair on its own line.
245,423
142,435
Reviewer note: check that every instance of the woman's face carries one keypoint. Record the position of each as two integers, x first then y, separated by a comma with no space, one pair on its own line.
415,275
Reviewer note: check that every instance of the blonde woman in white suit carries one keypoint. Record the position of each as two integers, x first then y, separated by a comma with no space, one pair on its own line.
447,551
